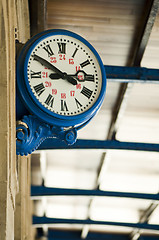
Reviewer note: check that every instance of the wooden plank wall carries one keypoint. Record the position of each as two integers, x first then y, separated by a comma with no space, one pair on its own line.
14,172
8,175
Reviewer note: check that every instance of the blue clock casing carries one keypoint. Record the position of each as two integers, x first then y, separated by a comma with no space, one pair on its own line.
31,101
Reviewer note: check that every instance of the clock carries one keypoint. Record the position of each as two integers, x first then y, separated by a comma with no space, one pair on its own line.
61,78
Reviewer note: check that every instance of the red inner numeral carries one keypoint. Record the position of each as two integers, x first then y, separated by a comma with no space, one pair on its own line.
71,61
44,74
54,91
72,93
63,95
78,86
78,68
48,84
62,57
53,60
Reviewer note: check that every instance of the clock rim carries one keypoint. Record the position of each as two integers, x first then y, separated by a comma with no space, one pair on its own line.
32,102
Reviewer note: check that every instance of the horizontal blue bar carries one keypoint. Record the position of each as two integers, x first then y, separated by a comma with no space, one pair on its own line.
76,234
97,238
40,191
118,237
40,221
107,237
132,74
54,234
52,143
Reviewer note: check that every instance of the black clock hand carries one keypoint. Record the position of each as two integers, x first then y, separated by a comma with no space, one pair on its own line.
87,77
55,69
55,76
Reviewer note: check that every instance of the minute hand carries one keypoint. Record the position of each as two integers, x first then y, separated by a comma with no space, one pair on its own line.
55,69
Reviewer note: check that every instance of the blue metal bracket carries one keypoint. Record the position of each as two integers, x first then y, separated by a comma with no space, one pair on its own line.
100,144
31,132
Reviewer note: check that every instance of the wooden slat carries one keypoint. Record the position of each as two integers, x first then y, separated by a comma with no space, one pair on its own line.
23,212
103,23
8,176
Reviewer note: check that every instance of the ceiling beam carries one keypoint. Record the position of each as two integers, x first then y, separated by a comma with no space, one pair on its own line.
39,221
42,191
141,39
60,234
144,218
38,14
55,234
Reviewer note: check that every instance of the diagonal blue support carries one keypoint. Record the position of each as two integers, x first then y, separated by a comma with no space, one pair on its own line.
40,221
100,144
40,191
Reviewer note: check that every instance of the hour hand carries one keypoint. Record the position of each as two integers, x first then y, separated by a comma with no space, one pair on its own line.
54,76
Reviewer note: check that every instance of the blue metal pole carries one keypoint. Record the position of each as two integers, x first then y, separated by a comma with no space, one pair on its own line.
132,74
117,237
76,235
40,191
40,221
99,144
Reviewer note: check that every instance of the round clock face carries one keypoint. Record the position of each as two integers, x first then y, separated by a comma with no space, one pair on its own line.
63,74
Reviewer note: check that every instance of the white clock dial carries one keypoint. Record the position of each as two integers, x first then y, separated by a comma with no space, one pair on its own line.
64,75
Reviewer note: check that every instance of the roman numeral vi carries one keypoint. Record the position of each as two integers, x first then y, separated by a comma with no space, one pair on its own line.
64,106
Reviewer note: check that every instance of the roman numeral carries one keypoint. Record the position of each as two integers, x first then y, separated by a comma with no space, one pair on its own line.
35,74
64,106
39,89
78,103
62,48
48,50
75,52
89,77
50,100
85,63
86,92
